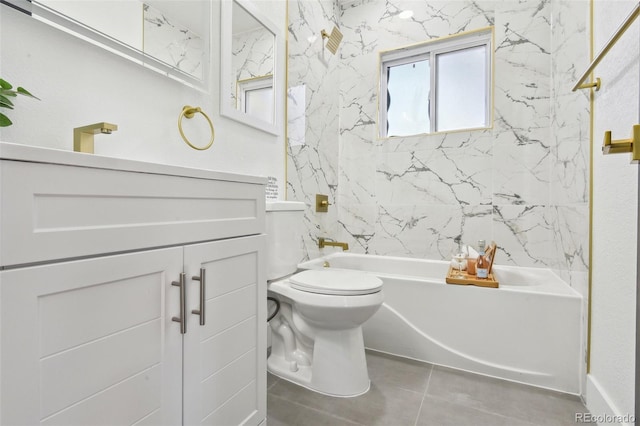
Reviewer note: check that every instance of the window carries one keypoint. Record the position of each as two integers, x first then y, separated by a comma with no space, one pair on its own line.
255,97
438,86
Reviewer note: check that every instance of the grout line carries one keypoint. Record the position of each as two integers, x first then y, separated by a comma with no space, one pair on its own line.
426,388
481,410
424,396
317,410
276,379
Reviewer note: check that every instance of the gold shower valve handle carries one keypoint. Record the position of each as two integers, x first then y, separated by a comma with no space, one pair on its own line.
188,112
322,203
619,146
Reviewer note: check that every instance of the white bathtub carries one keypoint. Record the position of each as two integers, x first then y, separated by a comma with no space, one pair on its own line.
529,330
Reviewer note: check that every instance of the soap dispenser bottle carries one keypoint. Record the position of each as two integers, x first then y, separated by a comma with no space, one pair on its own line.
482,265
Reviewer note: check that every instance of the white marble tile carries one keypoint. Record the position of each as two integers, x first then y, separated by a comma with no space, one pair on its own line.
570,150
570,243
357,225
357,181
569,194
430,232
522,166
523,235
172,43
434,177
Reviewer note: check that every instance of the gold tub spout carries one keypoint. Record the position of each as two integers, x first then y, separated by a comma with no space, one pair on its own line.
323,242
83,136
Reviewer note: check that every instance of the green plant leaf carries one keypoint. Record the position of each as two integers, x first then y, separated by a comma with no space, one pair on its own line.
5,84
11,93
6,92
25,92
4,120
5,102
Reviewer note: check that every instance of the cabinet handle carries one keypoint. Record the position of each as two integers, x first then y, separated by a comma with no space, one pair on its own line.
200,311
183,304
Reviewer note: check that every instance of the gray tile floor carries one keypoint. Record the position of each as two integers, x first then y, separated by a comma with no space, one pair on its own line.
405,392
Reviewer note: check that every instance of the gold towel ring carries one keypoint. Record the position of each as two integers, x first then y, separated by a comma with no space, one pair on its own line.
189,112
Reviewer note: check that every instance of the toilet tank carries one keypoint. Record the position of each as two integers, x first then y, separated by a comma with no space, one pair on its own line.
284,220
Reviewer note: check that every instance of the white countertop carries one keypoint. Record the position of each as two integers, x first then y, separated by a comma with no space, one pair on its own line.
34,154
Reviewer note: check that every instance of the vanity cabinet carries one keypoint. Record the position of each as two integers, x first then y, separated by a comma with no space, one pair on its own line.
93,253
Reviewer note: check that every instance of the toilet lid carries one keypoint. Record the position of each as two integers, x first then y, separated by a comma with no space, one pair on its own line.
332,282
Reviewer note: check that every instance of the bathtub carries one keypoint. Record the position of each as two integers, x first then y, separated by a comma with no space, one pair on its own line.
529,330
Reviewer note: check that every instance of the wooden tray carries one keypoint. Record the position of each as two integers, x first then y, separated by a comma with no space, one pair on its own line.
490,281
452,278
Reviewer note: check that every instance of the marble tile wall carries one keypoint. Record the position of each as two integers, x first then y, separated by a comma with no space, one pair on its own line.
252,56
521,183
313,166
569,195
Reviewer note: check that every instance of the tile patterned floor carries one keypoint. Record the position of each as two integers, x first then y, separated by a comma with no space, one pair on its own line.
405,392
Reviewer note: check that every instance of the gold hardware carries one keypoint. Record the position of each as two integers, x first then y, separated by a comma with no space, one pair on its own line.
83,136
593,85
608,45
189,112
322,203
326,264
619,146
334,39
203,300
322,243
183,304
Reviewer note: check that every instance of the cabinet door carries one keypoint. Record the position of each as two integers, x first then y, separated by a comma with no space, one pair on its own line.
92,342
225,359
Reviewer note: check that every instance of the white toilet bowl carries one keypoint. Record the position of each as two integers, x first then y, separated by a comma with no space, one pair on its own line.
317,335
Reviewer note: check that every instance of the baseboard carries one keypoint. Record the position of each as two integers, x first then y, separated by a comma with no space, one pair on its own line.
601,408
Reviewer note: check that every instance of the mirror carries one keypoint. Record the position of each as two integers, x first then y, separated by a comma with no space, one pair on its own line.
169,36
251,66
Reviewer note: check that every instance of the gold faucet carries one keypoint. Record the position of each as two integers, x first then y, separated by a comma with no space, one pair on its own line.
322,242
83,136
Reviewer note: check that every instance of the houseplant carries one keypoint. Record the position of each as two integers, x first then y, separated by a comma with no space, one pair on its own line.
7,92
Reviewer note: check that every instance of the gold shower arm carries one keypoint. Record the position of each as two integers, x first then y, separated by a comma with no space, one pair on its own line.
608,45
620,146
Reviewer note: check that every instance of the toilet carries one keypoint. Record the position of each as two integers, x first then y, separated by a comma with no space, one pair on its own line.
316,337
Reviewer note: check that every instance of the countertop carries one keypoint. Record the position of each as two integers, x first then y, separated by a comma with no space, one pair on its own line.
34,154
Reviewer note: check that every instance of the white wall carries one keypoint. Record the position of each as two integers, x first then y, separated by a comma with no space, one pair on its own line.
610,385
80,84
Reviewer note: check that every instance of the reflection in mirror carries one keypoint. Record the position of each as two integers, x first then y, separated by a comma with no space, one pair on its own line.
249,71
255,97
170,36
168,39
252,48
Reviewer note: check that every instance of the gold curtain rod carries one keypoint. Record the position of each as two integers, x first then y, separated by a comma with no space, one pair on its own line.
614,38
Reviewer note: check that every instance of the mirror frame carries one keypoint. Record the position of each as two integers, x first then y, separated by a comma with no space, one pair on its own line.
57,20
226,40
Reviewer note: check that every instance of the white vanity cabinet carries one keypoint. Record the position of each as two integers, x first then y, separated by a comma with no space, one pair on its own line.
93,253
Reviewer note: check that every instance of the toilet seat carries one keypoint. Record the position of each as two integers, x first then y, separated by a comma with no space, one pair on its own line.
336,283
